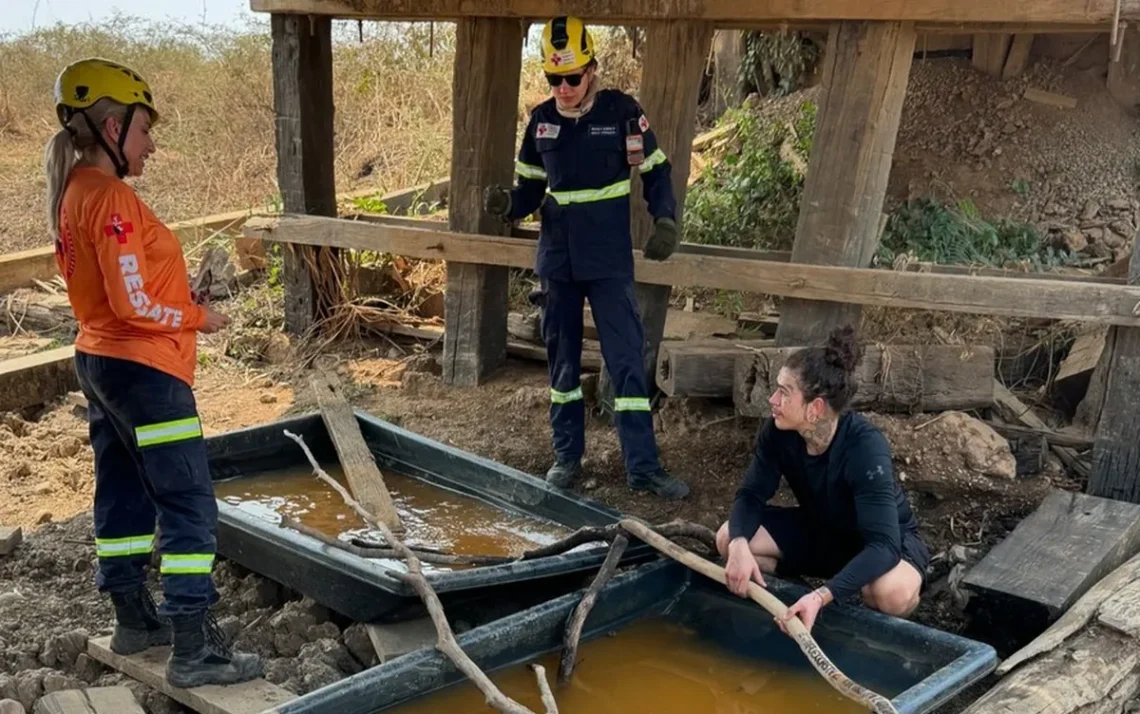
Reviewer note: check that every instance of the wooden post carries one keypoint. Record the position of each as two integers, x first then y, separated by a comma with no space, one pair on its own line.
728,53
488,61
670,88
1116,450
303,102
990,52
865,74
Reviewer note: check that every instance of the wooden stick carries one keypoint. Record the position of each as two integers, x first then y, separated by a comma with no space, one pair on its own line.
811,649
544,689
582,611
591,534
433,558
415,577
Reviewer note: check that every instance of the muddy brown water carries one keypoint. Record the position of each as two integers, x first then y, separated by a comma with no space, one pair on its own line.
433,517
658,667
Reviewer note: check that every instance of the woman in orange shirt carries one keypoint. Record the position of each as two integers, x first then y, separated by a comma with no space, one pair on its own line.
135,356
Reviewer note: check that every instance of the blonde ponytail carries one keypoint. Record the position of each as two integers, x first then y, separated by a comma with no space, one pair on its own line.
66,147
60,157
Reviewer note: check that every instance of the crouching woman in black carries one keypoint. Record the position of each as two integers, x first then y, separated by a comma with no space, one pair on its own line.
853,525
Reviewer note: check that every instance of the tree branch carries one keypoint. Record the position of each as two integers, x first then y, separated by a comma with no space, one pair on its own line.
811,649
582,611
415,577
591,534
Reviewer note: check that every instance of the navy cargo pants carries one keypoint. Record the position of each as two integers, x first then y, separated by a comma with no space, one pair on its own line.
614,306
150,463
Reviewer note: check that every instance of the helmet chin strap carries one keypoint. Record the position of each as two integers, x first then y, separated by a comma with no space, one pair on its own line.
121,165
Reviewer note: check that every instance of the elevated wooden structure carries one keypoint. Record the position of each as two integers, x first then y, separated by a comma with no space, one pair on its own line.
866,70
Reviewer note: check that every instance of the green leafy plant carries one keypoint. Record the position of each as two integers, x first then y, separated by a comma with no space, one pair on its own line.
751,198
931,232
775,63
370,204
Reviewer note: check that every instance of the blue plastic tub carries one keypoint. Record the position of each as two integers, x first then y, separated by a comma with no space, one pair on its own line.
366,590
917,667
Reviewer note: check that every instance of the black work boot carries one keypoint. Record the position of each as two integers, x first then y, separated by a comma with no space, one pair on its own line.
659,482
201,655
137,623
563,473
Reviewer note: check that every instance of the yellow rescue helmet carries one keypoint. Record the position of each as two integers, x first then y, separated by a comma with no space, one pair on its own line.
566,46
85,82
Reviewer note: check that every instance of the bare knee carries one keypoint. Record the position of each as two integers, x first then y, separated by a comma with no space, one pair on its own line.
767,563
722,540
896,599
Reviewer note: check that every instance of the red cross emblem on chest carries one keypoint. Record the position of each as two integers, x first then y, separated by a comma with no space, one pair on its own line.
118,228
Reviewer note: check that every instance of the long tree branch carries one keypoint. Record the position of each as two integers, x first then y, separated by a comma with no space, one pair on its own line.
845,685
593,534
415,577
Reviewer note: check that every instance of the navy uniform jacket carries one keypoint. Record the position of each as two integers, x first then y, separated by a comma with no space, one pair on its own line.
581,169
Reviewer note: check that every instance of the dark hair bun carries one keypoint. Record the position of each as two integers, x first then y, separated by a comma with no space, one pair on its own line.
842,350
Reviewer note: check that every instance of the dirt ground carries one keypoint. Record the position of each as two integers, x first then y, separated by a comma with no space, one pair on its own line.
48,602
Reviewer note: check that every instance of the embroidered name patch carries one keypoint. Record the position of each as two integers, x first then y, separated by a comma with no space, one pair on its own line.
603,130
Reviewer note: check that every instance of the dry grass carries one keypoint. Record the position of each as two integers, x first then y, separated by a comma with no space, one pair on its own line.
214,87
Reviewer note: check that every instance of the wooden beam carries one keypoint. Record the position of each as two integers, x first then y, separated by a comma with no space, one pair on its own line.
37,378
303,102
149,667
96,700
670,89
1016,297
18,270
1014,410
1116,451
1090,536
718,11
895,378
990,52
1051,437
865,74
488,62
701,368
360,470
1017,61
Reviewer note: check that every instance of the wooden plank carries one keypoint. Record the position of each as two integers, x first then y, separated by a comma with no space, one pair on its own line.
990,51
701,368
37,378
1052,99
485,85
10,539
1121,612
1066,681
1050,436
149,667
1017,61
942,11
1013,409
96,700
1075,617
18,270
1091,536
865,73
1018,297
1116,453
893,378
1083,355
303,103
360,470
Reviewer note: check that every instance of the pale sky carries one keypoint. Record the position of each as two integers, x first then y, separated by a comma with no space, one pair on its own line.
19,16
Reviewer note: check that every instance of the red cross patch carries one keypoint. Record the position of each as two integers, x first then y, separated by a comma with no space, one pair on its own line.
118,228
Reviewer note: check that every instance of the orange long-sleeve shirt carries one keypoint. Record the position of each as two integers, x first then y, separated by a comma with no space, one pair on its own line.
126,277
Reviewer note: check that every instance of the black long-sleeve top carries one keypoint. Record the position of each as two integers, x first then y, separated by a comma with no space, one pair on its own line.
849,491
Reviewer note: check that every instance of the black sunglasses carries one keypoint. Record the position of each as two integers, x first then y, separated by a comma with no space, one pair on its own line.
556,80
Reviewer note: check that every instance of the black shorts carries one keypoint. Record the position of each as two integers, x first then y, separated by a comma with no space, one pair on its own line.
808,550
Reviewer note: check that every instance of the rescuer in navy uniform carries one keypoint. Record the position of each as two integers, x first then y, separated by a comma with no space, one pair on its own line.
575,162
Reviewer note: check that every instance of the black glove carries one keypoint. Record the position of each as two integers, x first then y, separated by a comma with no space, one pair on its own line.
497,201
663,241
